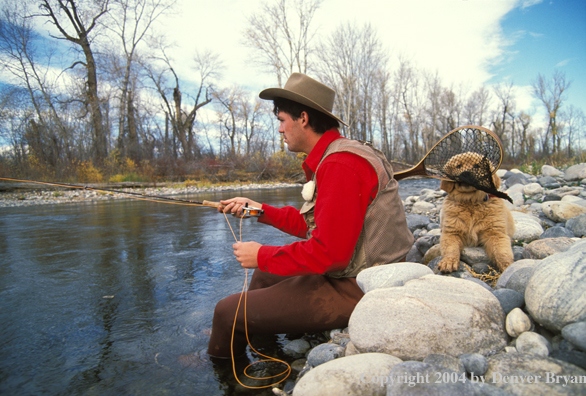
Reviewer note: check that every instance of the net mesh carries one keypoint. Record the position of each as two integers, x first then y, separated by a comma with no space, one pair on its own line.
468,155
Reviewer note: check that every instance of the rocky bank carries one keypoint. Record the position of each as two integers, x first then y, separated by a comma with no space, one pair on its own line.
51,197
474,331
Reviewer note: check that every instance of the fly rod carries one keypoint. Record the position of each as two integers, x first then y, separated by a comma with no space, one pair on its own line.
247,211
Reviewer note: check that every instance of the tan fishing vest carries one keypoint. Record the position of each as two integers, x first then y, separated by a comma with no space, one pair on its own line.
385,237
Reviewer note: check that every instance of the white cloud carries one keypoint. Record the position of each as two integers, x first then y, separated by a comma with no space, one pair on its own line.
459,39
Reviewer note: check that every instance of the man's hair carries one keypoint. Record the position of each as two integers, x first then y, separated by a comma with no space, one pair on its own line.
318,121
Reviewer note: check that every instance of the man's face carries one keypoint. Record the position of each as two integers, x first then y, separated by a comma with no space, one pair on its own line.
292,131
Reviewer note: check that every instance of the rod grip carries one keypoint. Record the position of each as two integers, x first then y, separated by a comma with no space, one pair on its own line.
213,204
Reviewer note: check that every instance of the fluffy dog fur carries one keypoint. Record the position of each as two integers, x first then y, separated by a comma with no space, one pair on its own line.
470,217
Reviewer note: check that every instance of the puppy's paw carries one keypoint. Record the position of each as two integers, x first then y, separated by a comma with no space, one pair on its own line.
503,264
449,264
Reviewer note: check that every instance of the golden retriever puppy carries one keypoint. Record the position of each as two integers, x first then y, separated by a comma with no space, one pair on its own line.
471,217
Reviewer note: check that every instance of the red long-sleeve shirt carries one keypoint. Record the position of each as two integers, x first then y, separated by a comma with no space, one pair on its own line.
346,184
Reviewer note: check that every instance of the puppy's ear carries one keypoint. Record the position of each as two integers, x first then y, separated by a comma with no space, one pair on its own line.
496,180
447,186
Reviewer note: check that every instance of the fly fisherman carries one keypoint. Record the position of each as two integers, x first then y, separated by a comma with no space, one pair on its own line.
352,219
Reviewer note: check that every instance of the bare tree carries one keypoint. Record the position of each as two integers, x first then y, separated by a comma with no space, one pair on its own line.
27,58
506,99
130,21
574,123
476,107
408,111
76,26
353,62
208,66
551,94
281,35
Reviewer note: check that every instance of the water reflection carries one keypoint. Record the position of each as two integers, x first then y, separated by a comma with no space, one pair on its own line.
102,298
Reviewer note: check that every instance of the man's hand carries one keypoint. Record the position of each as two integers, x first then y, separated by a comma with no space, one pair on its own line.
246,253
235,205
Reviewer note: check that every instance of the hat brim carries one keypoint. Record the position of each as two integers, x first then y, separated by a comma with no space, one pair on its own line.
272,93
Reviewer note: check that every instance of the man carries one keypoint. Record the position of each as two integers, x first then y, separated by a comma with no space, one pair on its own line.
353,218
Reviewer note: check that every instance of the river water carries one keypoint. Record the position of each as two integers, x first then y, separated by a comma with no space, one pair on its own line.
102,298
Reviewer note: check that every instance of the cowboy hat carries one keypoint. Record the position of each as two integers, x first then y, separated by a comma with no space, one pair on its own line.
306,91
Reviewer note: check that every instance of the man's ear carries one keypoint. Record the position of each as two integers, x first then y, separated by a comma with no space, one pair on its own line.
447,186
304,118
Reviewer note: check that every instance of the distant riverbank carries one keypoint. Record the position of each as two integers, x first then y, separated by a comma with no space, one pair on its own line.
30,194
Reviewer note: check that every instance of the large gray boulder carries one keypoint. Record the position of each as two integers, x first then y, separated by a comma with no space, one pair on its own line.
577,225
390,275
432,314
575,172
526,374
356,375
548,170
511,269
556,293
527,227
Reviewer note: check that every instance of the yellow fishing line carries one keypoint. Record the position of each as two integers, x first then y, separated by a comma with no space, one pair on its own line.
244,293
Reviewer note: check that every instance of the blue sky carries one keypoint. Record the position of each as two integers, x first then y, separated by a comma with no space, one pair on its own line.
544,37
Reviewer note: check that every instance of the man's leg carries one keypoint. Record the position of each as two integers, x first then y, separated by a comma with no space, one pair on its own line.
279,305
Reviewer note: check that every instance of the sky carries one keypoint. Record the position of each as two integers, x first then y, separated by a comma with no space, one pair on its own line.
469,42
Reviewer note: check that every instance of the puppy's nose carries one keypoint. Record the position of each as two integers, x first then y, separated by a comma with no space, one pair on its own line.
466,177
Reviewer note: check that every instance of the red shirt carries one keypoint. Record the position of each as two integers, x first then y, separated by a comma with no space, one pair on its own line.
346,184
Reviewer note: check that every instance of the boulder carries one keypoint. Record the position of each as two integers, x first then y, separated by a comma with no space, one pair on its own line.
445,362
525,374
577,225
549,182
543,248
575,333
324,353
419,378
356,375
532,189
509,299
548,170
517,322
404,321
527,227
533,343
390,275
511,269
415,221
297,348
516,178
556,293
557,232
575,172
519,279
422,207
474,363
474,255
562,211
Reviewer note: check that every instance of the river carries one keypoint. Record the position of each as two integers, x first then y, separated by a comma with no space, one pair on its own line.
102,298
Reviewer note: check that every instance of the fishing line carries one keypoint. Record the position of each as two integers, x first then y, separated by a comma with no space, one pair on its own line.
244,293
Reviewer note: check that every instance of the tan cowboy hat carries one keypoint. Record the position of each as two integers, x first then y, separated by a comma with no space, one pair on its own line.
307,91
